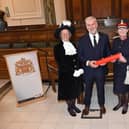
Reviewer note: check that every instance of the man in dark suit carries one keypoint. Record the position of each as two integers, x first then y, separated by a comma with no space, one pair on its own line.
91,47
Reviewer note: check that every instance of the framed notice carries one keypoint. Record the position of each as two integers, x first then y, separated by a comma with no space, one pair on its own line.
25,75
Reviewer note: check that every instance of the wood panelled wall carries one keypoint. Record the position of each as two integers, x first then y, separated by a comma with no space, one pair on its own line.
77,10
125,8
25,36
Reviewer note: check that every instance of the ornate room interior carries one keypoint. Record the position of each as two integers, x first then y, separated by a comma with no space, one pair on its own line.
23,36
30,26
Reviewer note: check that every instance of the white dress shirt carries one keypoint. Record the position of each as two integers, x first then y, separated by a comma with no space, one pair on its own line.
92,38
92,41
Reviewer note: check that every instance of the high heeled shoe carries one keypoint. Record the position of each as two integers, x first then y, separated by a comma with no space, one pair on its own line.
118,106
125,109
76,109
71,112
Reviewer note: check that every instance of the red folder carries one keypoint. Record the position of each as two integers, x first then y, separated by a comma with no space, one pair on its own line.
108,59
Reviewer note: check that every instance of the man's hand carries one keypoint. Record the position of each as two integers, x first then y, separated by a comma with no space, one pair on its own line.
103,64
92,64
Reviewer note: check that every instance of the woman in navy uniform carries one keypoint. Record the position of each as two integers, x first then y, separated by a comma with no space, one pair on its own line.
69,72
121,44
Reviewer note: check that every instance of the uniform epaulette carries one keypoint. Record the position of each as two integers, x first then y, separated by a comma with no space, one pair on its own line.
115,37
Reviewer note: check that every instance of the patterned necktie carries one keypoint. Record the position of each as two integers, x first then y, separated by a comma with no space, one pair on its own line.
95,43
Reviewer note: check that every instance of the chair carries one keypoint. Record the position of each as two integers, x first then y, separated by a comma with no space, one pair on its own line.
51,69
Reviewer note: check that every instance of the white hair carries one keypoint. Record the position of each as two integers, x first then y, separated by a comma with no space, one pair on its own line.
90,18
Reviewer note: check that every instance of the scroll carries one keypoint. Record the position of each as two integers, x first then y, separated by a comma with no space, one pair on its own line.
108,59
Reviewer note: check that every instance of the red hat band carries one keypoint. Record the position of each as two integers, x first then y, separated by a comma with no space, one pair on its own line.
122,24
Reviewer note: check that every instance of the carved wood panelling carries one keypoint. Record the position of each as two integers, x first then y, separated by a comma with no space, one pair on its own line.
100,8
77,10
125,8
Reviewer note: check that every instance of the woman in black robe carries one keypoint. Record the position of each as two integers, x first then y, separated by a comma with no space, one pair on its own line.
70,83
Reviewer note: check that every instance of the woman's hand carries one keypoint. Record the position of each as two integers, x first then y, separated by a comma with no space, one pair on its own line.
122,59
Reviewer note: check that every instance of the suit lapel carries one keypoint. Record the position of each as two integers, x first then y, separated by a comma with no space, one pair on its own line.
89,42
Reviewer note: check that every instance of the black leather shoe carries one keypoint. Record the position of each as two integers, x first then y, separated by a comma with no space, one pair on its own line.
103,110
117,107
125,109
71,112
76,109
85,111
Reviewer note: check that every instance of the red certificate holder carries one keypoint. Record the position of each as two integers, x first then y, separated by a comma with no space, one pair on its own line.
108,59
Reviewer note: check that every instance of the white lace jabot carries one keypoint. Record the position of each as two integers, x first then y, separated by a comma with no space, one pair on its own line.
69,48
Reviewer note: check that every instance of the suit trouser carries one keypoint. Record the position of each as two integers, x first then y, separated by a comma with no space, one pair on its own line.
99,79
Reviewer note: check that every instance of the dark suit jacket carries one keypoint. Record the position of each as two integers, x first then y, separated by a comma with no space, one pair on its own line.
87,52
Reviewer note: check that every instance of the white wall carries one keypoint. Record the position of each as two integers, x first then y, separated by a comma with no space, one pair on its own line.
59,9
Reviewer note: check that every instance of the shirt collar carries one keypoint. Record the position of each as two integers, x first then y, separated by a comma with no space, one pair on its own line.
92,38
96,35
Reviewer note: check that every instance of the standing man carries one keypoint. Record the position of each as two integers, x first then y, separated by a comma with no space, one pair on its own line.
93,46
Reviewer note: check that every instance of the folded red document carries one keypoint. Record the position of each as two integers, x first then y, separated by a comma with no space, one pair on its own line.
108,59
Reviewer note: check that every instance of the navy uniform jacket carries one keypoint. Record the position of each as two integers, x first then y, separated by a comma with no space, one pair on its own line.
87,52
120,68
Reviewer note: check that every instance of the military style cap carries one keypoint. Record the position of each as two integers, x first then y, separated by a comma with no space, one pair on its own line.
122,24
